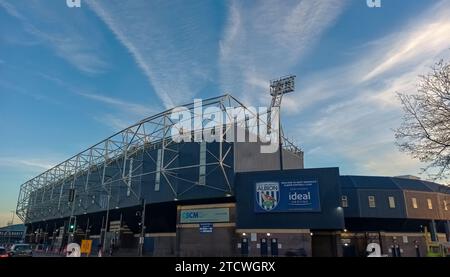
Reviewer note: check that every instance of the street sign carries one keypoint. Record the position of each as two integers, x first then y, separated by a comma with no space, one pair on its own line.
86,246
206,227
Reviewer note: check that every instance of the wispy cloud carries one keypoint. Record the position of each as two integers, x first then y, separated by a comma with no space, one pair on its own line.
33,164
265,39
404,49
126,106
174,55
117,123
76,43
14,88
352,108
129,109
11,10
76,51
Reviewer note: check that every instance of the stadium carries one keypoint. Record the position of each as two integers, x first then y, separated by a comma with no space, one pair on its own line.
143,192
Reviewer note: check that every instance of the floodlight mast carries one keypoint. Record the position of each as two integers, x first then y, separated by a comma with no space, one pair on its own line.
278,88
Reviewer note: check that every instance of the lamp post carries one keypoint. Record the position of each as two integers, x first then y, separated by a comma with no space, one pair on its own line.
12,217
11,223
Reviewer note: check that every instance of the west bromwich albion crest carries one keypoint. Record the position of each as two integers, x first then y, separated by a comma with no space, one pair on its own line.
267,195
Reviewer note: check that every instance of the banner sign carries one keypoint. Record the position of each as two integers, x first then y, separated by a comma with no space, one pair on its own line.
86,246
205,227
292,196
205,215
11,233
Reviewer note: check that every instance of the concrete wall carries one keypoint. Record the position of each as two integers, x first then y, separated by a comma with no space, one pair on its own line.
164,245
220,242
248,157
292,160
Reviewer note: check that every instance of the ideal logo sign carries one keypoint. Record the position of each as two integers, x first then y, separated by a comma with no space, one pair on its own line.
305,197
292,196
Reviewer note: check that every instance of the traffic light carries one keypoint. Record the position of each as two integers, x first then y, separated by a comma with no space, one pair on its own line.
71,225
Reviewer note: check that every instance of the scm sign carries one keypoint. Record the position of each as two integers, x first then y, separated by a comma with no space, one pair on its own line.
205,215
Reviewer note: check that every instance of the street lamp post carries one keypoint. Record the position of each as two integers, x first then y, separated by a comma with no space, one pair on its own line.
11,223
107,214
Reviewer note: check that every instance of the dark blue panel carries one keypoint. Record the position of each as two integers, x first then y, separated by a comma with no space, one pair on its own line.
330,216
353,202
347,182
182,183
374,182
382,209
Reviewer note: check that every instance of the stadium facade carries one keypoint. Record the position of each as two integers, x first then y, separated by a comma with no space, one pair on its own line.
140,192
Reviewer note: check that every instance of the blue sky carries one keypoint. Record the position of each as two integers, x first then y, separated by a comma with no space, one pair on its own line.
70,77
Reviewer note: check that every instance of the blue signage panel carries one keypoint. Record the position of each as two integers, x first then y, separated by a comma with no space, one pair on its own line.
206,227
292,196
205,215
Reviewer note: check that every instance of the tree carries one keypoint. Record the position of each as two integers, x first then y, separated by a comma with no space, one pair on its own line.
425,129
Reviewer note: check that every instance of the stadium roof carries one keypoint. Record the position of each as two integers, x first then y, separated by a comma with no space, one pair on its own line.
395,183
13,228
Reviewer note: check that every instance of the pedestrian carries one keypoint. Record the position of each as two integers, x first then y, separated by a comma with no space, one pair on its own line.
99,253
111,248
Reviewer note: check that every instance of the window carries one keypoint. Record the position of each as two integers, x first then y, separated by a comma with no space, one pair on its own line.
391,202
414,202
430,204
344,201
372,201
445,205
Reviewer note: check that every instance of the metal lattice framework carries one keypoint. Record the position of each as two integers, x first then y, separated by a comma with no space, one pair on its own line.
89,172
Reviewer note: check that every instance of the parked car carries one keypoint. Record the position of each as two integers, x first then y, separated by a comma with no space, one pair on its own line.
39,248
3,253
21,250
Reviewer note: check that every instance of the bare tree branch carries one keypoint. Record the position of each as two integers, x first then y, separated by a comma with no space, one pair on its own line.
425,129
